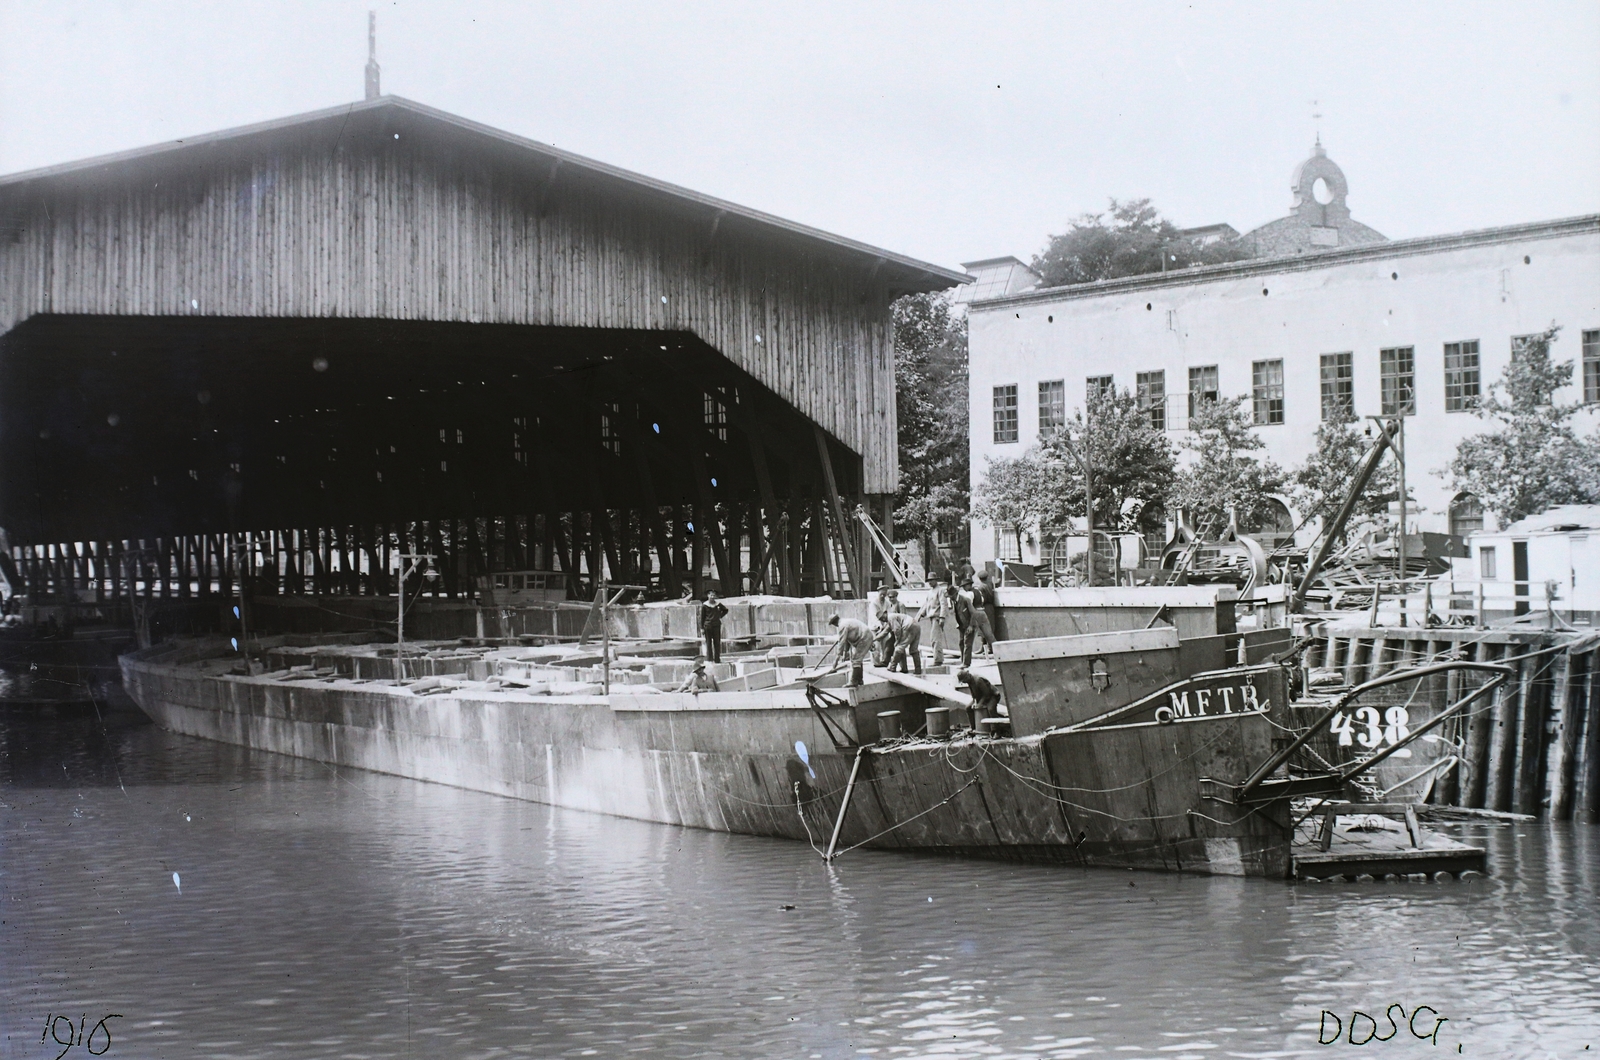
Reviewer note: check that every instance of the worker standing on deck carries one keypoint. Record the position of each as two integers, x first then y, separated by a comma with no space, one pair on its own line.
711,613
854,644
936,609
961,610
984,618
907,635
985,696
887,603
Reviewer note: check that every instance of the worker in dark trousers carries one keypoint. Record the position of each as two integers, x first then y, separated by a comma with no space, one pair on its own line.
711,613
961,609
887,603
985,696
936,609
907,646
983,611
855,642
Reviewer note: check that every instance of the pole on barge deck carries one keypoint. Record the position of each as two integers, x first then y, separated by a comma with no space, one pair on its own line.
244,629
844,804
400,621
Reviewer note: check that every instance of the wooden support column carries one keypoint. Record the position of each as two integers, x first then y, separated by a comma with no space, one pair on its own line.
557,533
1480,729
1503,737
1531,736
219,544
111,566
857,587
772,513
1566,715
626,553
652,510
689,517
366,541
822,542
1587,798
164,554
1448,787
707,528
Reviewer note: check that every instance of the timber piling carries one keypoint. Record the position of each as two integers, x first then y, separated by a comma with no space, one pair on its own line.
1534,748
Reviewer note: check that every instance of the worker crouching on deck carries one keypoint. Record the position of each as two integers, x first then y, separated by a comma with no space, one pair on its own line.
907,638
985,696
854,644
711,613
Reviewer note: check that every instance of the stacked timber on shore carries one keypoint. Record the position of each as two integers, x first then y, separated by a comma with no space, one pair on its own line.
1535,747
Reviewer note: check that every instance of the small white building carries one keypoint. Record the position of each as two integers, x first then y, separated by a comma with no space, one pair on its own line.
1340,318
1550,560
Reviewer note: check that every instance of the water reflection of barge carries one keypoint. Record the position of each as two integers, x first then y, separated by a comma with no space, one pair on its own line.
1175,747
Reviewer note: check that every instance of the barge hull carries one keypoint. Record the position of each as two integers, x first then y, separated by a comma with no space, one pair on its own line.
734,768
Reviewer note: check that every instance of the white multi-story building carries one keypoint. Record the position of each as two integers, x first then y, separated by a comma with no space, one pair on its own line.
1339,316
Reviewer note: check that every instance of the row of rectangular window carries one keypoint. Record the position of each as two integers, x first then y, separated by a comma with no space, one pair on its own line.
1397,377
1591,366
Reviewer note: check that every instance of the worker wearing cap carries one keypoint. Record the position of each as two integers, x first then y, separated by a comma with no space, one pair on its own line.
907,642
984,617
854,643
887,603
936,609
711,613
699,679
961,610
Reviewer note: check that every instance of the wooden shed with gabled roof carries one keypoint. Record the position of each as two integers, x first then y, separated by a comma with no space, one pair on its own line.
381,326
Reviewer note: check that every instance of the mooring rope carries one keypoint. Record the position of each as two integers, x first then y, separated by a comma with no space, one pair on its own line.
900,824
801,810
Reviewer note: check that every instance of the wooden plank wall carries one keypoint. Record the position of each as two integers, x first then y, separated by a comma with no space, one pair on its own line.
1534,747
400,232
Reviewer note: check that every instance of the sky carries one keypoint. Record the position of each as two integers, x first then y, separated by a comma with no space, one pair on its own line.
947,131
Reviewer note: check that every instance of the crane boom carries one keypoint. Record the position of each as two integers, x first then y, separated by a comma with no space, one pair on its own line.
1335,526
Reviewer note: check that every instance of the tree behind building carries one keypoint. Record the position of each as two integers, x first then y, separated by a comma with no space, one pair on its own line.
1226,479
1536,459
1320,483
930,350
1133,466
1130,239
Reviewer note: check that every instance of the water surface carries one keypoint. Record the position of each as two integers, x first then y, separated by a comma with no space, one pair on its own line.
237,904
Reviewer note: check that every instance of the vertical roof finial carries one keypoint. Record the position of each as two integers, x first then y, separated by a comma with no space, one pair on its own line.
372,55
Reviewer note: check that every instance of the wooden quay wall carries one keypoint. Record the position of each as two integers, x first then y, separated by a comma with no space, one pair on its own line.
1535,747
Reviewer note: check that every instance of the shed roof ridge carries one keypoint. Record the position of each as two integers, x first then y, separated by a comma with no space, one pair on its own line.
566,157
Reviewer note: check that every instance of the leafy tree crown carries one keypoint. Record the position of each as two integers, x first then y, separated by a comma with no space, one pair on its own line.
1535,458
1130,238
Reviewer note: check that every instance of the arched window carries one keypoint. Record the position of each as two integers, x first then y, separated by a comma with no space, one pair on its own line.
1466,514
